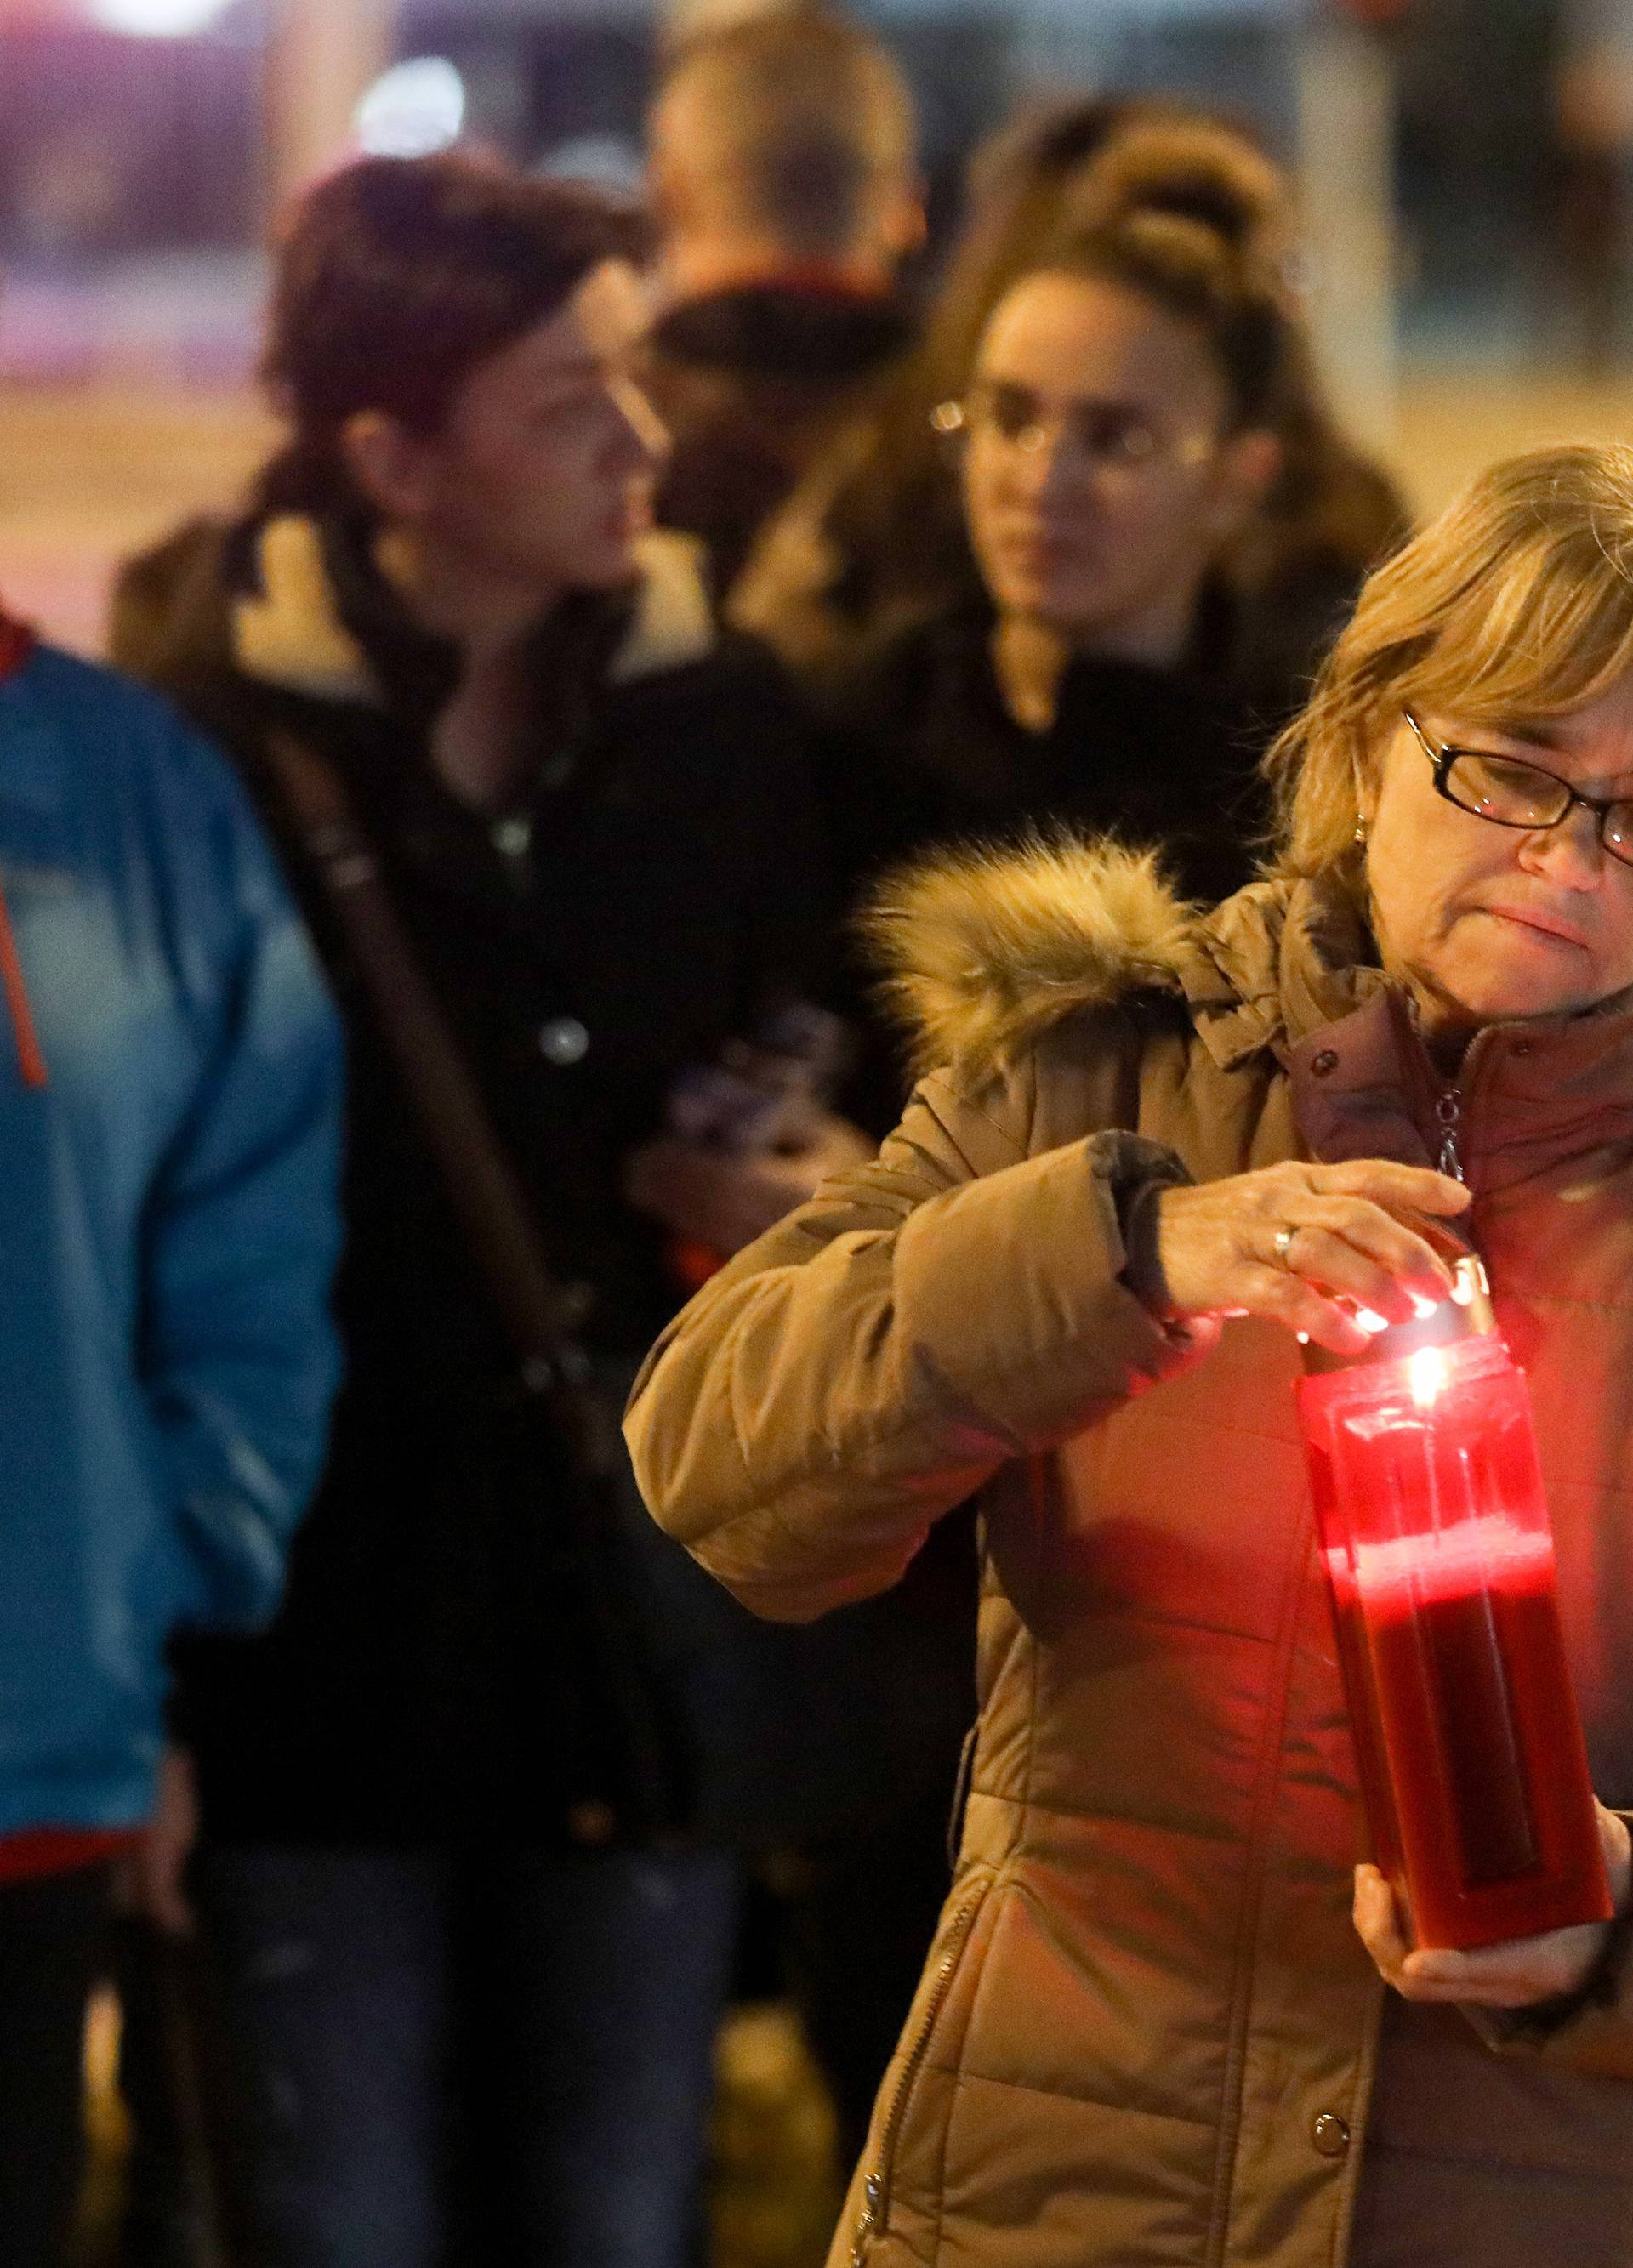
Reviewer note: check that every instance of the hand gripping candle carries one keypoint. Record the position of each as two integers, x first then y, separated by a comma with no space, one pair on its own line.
1431,1520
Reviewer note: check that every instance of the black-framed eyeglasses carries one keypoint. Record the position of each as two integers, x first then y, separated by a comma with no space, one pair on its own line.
1510,793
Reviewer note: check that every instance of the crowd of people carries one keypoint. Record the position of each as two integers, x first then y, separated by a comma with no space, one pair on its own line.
438,955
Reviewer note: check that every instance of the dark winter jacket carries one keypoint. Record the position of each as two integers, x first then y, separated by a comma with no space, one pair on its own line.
922,752
753,382
642,905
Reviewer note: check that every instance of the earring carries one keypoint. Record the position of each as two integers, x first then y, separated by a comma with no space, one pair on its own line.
1360,835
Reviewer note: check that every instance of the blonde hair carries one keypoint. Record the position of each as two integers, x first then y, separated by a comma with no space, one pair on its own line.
1514,606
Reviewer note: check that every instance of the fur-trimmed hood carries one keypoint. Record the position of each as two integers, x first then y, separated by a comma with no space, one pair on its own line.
288,631
261,602
982,951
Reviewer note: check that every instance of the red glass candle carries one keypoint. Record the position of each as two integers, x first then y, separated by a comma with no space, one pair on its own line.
1434,1533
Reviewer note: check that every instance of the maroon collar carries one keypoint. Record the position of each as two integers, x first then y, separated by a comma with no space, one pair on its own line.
1531,1097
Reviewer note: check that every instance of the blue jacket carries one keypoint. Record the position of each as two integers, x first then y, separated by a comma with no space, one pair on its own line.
168,1228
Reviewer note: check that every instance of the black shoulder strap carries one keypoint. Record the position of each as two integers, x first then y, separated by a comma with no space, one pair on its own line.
481,1183
490,1201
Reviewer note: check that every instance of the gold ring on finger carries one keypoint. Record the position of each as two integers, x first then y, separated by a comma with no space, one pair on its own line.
1281,1243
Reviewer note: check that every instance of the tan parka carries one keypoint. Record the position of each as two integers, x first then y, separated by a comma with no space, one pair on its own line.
1147,2033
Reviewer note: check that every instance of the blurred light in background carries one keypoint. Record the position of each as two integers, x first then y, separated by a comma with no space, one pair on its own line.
606,161
410,110
156,19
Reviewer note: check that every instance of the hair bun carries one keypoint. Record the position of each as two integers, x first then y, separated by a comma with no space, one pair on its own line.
1211,175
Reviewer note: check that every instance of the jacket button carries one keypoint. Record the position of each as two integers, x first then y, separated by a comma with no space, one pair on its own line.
1329,2133
562,1042
1325,1064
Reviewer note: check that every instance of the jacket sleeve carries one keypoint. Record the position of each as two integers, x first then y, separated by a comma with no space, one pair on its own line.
861,1369
238,1358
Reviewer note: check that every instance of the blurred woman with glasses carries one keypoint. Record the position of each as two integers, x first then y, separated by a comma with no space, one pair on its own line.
1120,427
874,537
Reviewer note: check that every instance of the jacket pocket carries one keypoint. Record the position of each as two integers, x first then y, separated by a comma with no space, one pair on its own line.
874,2220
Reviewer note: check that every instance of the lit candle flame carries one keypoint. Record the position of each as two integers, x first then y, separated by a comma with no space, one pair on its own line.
1428,1376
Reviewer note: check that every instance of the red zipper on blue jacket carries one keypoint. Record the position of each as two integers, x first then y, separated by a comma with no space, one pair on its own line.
17,642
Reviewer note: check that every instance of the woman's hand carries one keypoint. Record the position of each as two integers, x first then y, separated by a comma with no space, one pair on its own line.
1283,1242
1511,1976
152,1881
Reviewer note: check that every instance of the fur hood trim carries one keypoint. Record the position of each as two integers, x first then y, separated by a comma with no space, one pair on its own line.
983,951
289,632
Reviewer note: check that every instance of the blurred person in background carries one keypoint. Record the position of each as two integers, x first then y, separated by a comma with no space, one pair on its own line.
170,1093
1119,432
784,178
466,1975
1592,172
1116,434
862,543
875,538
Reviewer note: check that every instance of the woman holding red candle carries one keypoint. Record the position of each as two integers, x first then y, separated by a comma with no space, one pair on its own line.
1166,2019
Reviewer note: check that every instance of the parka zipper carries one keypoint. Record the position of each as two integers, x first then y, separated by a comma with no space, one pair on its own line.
1448,1106
1449,1118
875,2211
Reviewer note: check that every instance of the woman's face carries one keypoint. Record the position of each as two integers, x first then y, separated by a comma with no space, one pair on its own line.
1485,923
1099,481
